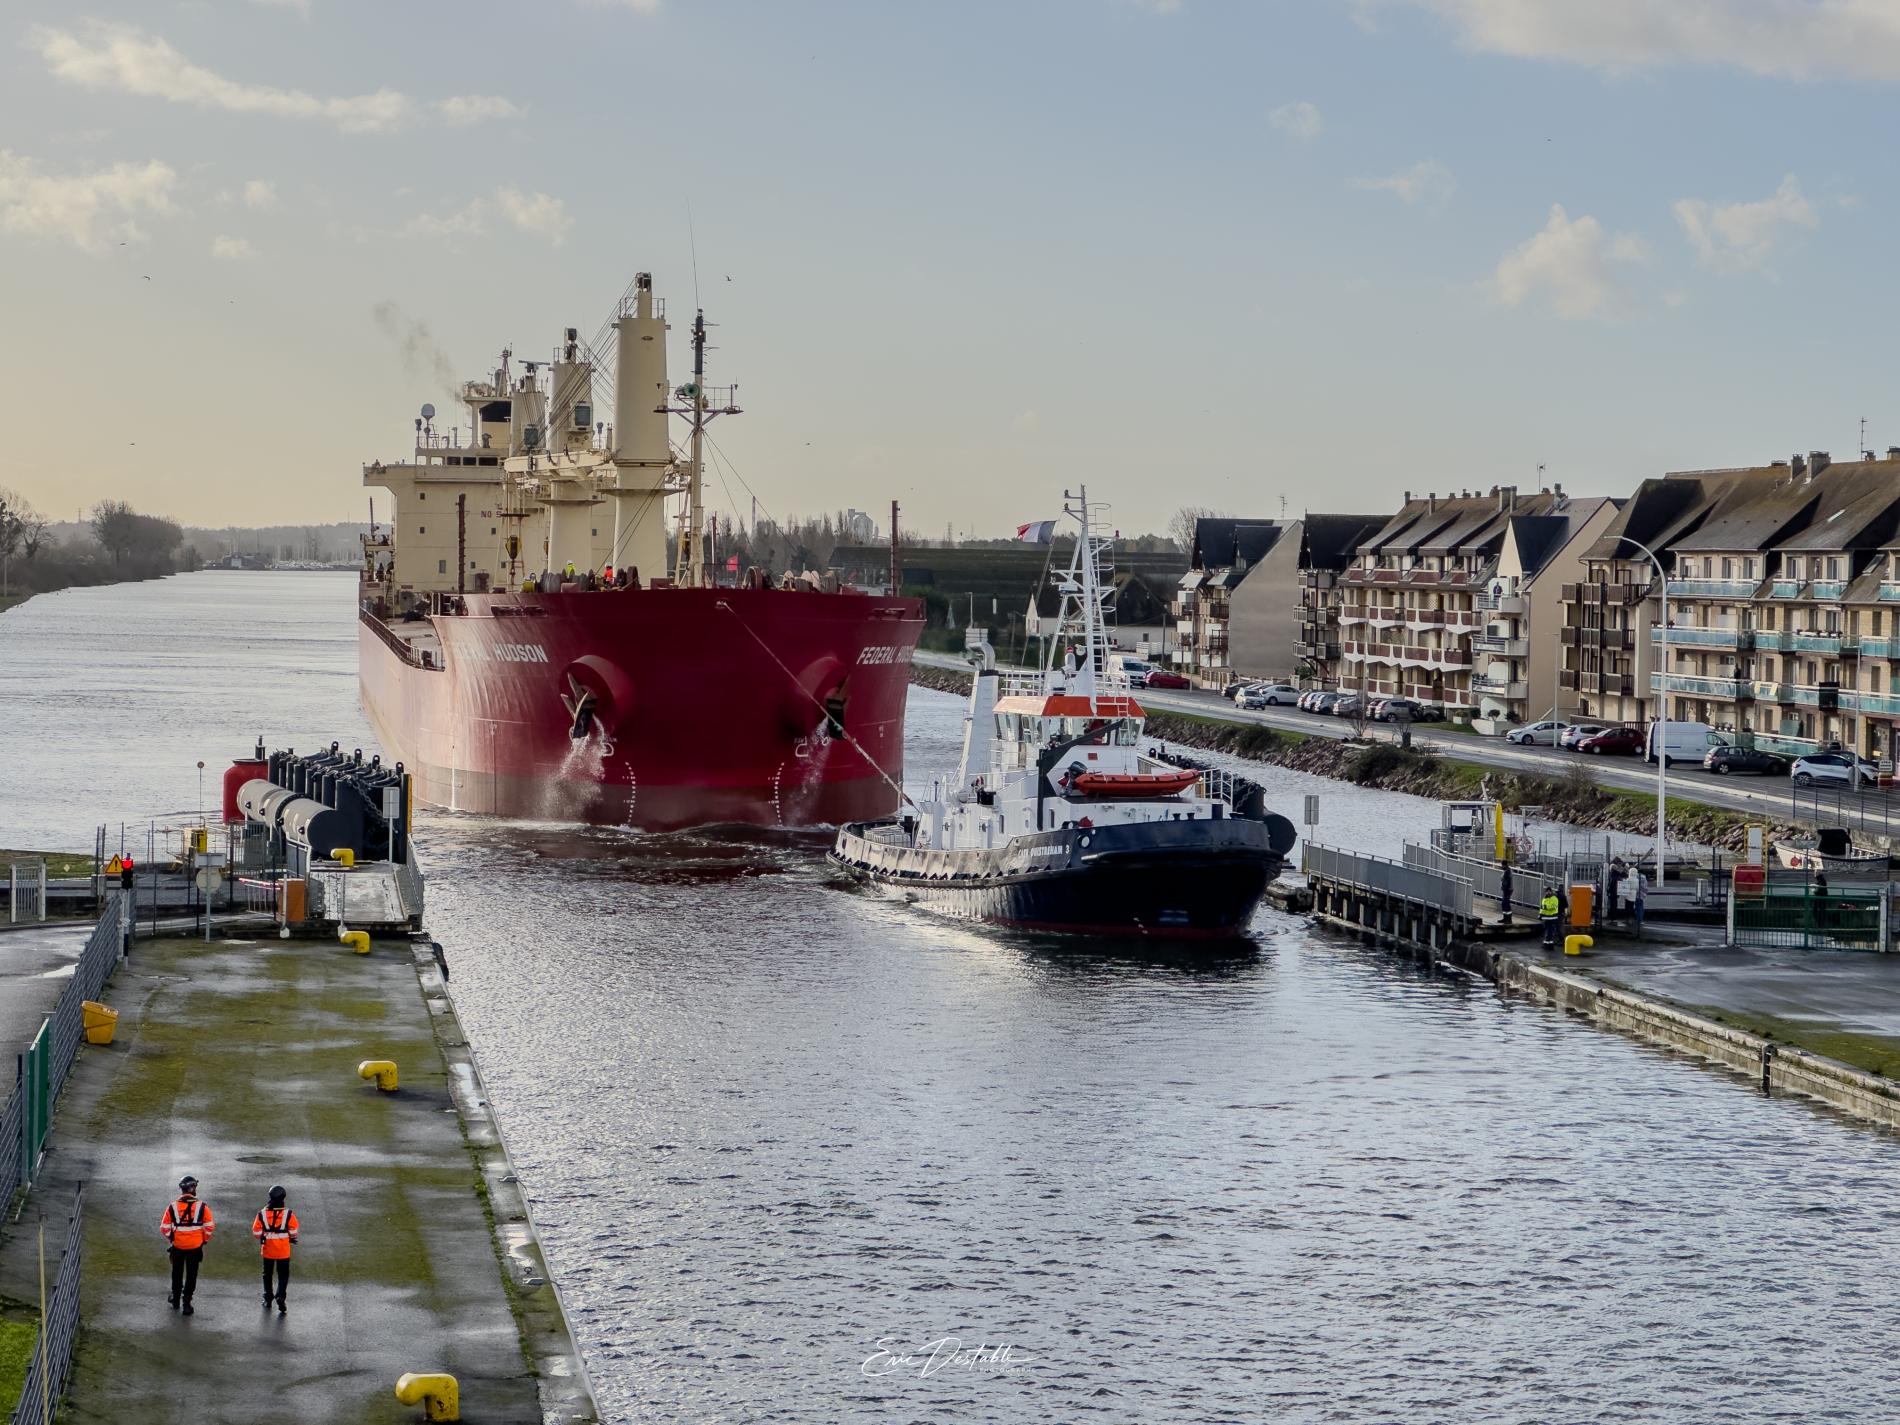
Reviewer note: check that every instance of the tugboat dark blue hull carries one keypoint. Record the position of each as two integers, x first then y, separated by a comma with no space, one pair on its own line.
1201,878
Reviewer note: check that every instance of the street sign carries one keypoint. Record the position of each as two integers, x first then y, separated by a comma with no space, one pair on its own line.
208,879
1312,808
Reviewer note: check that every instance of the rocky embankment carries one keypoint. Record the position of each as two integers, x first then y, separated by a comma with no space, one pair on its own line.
1429,769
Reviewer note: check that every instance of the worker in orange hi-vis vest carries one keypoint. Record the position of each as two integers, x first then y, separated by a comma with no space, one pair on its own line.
275,1228
186,1226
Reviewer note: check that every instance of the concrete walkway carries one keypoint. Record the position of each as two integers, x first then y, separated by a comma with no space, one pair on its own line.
1854,990
236,1062
36,963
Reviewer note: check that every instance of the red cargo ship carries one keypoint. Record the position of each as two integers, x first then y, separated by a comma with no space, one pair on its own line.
518,664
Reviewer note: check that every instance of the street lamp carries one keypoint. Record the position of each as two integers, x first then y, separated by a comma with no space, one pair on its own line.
1662,706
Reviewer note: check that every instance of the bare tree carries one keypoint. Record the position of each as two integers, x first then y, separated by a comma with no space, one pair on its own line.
22,530
1181,525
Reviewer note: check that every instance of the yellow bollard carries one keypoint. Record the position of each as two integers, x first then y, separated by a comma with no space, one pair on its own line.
357,940
343,856
1577,944
436,1392
384,1072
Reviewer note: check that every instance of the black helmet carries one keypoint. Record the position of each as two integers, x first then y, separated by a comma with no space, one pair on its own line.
277,1196
188,1184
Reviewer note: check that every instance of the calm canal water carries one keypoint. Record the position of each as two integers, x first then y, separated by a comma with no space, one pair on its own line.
781,1136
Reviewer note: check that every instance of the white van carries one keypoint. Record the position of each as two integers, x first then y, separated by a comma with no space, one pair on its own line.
1682,742
1136,670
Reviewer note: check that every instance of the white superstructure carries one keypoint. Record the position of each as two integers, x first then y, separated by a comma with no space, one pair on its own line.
1063,747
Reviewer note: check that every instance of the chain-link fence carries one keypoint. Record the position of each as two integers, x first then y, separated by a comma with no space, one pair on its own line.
53,1345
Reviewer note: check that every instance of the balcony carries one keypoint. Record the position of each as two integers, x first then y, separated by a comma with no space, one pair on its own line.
1622,594
1682,635
1728,690
1822,641
1352,613
1501,647
1880,648
1318,652
1780,589
1501,603
1738,589
1424,619
1609,685
1610,640
1505,689
1386,617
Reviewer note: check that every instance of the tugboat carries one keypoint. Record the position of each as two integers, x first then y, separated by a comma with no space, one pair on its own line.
1060,817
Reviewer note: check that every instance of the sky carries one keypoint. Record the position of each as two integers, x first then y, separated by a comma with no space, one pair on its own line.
1260,256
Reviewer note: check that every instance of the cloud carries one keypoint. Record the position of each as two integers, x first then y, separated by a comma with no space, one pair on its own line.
80,208
1299,120
1790,39
122,59
1571,264
460,110
1732,238
1427,181
467,221
535,213
232,249
260,195
539,213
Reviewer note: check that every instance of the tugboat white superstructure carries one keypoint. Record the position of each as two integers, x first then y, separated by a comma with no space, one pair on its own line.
1059,817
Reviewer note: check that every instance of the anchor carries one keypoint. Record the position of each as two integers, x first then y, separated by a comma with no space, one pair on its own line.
579,703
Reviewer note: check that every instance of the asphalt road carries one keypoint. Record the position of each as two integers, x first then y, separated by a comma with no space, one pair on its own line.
1771,798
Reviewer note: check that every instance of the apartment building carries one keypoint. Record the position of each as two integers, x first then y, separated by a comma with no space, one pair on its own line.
1410,605
1515,654
1210,650
1261,598
1783,594
1328,546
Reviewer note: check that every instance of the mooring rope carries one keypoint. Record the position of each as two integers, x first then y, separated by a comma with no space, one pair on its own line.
843,731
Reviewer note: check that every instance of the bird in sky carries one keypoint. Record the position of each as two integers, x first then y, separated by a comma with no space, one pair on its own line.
146,276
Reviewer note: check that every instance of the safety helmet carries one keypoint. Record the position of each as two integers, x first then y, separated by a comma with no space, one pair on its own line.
277,1196
188,1184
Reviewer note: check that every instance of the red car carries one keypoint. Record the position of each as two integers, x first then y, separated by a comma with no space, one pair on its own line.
1626,741
1159,679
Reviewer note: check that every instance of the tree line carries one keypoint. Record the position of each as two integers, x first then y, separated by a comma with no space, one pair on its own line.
118,543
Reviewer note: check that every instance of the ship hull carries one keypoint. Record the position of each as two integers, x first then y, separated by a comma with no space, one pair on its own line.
1170,880
758,706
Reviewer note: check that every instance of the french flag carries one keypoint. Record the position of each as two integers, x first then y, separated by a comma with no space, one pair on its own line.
1040,532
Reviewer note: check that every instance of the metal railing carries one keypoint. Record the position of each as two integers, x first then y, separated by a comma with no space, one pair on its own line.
26,891
40,1071
1799,918
1389,878
52,1354
1486,877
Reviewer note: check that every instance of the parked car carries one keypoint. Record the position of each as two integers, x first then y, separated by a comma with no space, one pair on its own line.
1347,706
1136,669
1577,731
1235,691
1392,709
1832,767
1622,741
1269,695
1536,734
1726,759
1162,678
1323,702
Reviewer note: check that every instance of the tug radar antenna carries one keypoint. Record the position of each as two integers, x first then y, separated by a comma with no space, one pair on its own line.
428,411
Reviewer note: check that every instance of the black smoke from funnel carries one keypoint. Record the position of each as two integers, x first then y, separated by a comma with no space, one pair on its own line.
420,354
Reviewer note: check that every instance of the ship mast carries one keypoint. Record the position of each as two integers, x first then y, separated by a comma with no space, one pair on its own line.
692,568
1082,592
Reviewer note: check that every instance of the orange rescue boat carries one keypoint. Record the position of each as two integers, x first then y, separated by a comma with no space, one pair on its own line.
1133,785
